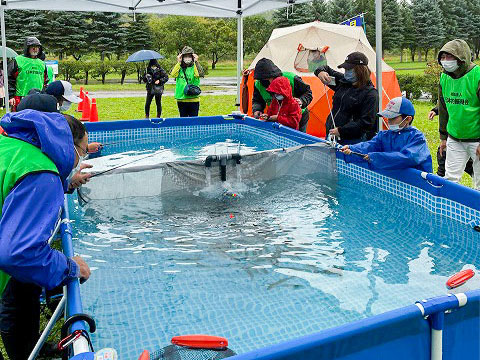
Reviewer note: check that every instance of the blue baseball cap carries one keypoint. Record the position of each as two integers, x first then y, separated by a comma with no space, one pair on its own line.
398,106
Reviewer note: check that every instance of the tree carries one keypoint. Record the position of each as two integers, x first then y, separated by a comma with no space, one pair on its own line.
450,18
22,23
341,10
138,33
428,22
172,33
320,10
107,35
293,15
408,30
473,32
368,8
67,34
256,32
392,35
221,38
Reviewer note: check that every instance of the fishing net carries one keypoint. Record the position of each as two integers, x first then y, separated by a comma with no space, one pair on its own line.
155,174
173,352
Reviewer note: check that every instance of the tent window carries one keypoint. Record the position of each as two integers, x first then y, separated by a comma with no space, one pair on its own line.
308,60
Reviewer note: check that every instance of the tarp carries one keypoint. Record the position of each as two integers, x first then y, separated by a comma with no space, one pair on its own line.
336,42
208,8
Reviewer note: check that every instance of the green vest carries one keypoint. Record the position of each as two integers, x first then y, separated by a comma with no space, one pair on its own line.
463,105
182,82
266,95
18,159
50,74
31,74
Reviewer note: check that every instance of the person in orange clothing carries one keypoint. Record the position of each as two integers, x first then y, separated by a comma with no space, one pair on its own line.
284,109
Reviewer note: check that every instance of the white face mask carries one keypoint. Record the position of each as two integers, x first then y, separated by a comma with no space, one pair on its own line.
396,127
450,65
65,105
279,97
187,60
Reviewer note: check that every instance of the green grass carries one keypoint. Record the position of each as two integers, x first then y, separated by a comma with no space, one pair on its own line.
133,108
430,129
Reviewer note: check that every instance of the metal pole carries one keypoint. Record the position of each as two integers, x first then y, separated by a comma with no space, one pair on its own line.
4,56
378,50
239,51
48,329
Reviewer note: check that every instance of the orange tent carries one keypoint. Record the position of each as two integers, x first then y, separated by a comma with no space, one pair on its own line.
302,48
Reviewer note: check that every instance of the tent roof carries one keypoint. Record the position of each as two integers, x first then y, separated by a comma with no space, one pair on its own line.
282,46
208,8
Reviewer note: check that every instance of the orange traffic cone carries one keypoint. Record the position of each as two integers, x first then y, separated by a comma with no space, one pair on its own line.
86,108
80,104
94,111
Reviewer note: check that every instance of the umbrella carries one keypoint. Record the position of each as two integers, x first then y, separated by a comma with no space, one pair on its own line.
10,53
144,55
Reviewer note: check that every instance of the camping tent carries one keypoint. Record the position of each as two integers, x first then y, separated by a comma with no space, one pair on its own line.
301,48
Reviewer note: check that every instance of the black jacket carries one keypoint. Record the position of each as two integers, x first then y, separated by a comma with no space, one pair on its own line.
354,109
153,75
265,69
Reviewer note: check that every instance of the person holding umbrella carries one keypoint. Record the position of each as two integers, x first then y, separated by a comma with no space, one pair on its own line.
187,73
155,78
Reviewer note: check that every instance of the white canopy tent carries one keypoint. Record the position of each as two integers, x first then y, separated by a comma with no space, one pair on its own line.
207,8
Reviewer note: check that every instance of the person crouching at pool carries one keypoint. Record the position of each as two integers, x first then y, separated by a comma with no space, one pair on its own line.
37,156
401,146
284,109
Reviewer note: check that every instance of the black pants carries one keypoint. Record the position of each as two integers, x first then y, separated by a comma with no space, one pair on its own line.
304,121
188,109
20,318
441,164
158,101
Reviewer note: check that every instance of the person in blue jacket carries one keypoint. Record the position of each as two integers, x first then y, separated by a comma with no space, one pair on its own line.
402,146
36,158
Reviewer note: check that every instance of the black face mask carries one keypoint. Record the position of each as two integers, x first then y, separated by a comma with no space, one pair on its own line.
265,83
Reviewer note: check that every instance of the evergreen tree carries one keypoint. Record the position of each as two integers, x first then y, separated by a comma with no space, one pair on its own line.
408,29
428,22
474,32
392,25
341,10
294,15
107,35
138,34
22,23
465,25
67,34
368,8
450,18
320,11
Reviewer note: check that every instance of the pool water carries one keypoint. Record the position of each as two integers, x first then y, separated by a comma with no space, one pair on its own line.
281,259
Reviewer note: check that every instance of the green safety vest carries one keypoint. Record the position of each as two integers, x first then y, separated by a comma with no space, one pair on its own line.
182,82
49,74
31,74
266,95
18,159
463,104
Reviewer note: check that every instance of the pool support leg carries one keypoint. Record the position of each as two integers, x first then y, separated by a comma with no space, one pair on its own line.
434,310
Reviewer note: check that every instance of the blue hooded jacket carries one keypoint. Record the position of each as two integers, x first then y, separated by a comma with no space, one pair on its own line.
32,207
393,150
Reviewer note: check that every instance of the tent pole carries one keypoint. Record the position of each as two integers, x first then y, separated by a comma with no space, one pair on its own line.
4,56
378,51
239,51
